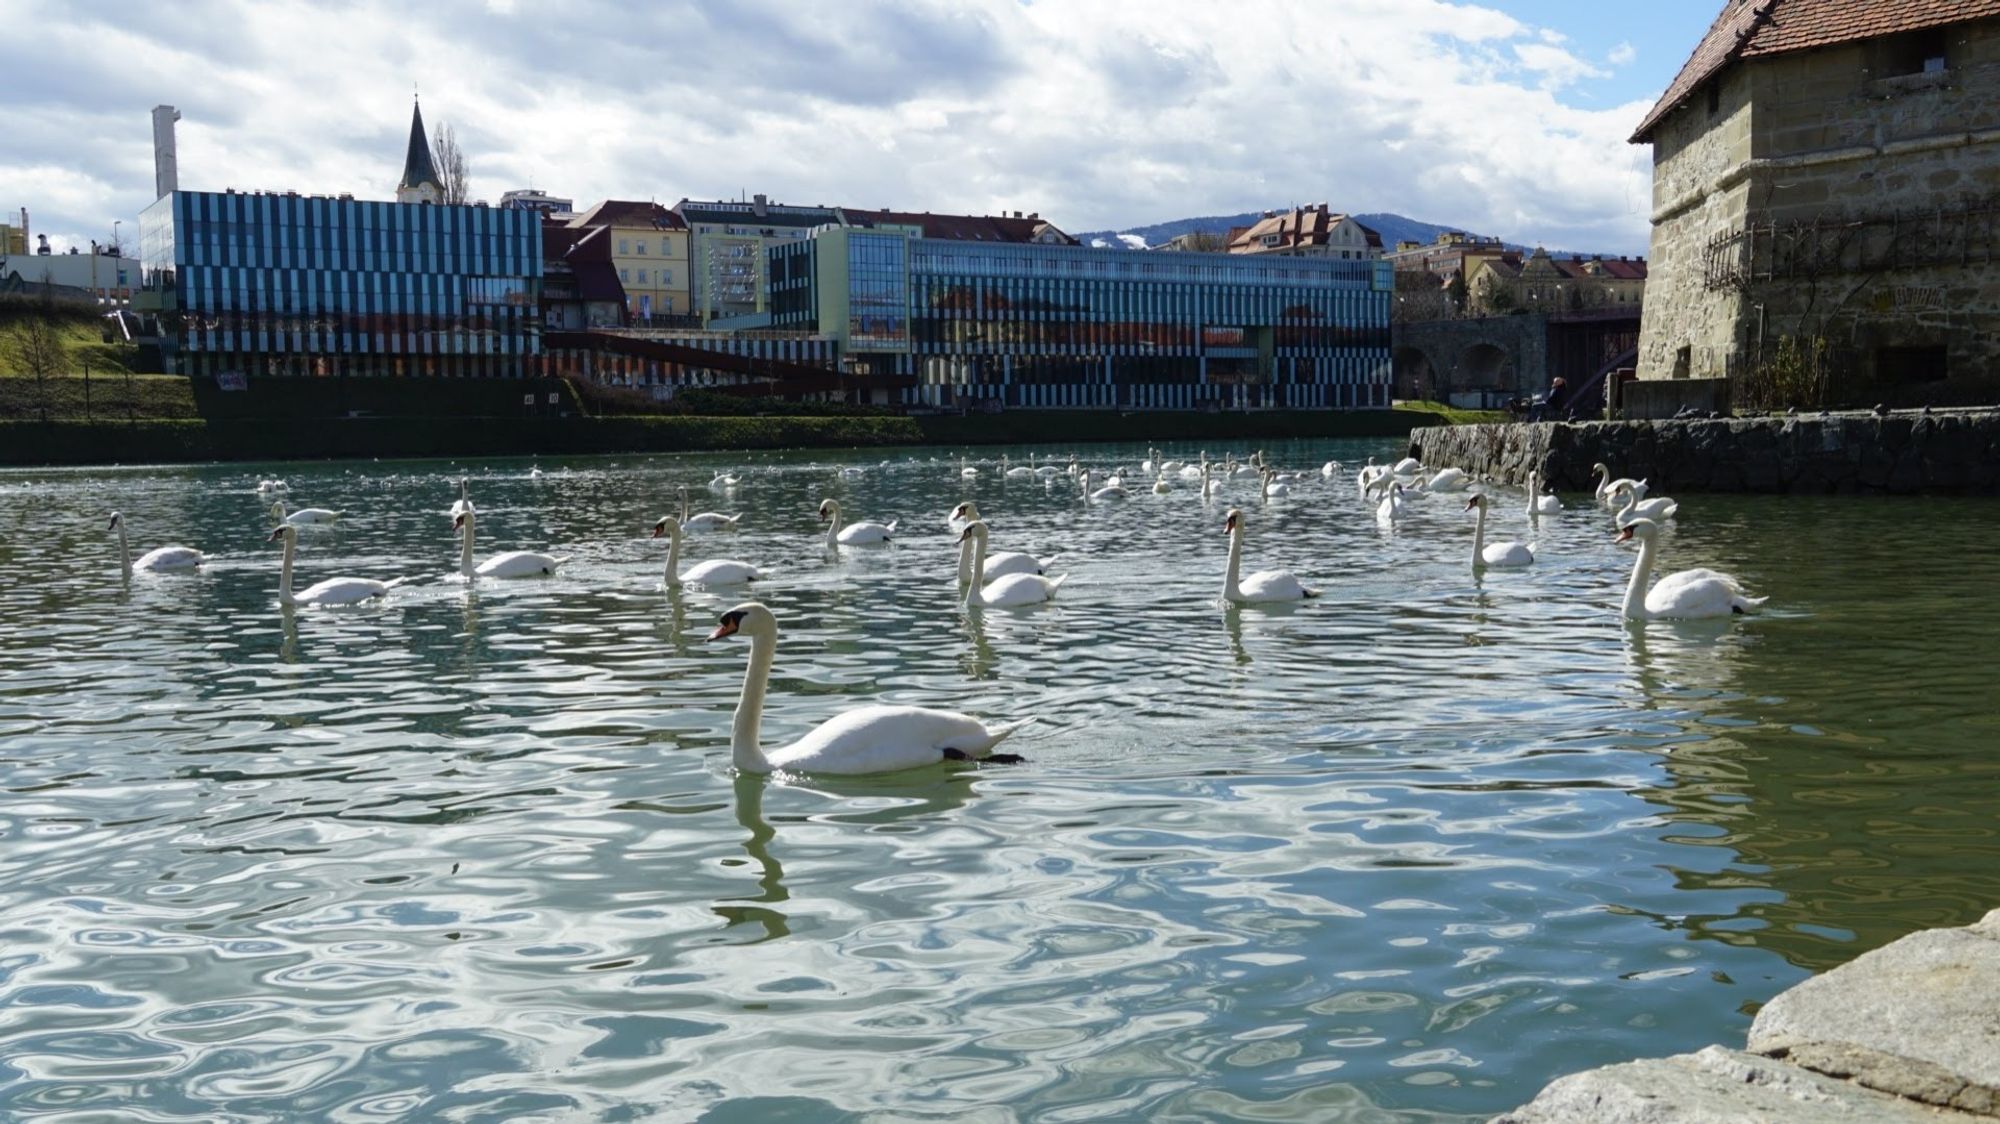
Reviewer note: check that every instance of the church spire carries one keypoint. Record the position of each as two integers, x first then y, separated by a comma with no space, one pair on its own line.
420,182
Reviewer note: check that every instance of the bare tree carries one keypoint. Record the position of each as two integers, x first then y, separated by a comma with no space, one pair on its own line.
450,164
38,345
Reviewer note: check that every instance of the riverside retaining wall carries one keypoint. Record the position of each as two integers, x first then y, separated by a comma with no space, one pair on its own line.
1951,452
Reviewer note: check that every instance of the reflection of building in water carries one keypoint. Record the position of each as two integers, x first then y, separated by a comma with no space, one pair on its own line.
1842,839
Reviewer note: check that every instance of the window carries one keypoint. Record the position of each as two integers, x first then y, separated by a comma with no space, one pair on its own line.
641,249
624,247
1682,360
1915,52
642,276
625,275
1715,95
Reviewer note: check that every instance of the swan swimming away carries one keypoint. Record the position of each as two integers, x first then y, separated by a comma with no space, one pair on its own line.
704,520
1500,555
869,739
507,564
999,563
304,517
332,591
718,571
1606,485
1683,595
156,559
854,533
1161,487
1262,587
1539,504
1408,466
1657,508
1008,590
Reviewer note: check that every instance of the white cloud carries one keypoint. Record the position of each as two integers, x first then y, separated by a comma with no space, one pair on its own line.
1622,54
1096,114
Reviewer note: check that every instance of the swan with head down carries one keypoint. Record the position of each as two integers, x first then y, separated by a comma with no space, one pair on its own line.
869,739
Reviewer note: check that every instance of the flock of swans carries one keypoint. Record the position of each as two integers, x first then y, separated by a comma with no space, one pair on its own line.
874,739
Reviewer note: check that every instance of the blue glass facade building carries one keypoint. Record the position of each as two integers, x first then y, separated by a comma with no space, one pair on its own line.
285,284
952,322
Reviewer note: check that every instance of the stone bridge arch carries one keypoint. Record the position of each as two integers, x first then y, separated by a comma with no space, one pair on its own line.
1479,360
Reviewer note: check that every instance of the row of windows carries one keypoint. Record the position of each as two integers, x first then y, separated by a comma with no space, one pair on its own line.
297,365
229,288
1138,337
971,298
288,232
664,278
932,257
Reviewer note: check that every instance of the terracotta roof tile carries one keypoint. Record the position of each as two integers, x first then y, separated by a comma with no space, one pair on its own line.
1761,28
629,212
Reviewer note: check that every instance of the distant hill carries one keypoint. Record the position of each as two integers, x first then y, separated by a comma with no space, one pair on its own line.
1392,228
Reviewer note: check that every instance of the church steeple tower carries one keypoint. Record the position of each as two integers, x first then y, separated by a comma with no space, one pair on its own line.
420,182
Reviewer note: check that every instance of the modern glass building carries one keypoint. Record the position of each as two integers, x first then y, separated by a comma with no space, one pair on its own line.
948,322
271,284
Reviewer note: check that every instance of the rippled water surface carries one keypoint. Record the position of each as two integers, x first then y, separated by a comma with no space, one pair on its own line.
1405,852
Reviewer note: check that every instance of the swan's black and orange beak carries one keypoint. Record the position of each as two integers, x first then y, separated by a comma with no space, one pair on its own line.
458,522
731,621
659,528
1624,534
1229,524
276,535
1472,503
114,523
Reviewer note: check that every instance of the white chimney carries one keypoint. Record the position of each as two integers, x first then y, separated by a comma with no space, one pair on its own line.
166,176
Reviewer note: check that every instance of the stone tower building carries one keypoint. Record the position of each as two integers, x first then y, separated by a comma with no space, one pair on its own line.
1826,201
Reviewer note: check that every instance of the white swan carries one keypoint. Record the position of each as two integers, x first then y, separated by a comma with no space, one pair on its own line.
724,481
1171,468
1101,495
1408,466
1195,471
304,517
1659,507
506,564
716,571
463,503
869,739
1048,471
1016,472
332,591
1684,595
1330,469
1606,485
704,520
1146,467
271,487
1448,480
852,534
999,563
1161,487
1539,504
966,471
1274,487
1262,587
1007,590
852,472
1366,479
1393,505
1502,555
159,558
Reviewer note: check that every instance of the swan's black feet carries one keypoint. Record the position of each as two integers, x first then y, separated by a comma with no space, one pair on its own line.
1005,759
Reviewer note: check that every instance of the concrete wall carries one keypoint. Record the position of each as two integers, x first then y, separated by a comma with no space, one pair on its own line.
1663,398
1940,453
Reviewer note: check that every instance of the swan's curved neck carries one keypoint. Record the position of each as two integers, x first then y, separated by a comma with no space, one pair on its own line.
964,563
124,549
285,572
1479,539
1635,593
1231,588
744,753
684,503
1624,509
673,577
465,548
978,572
833,526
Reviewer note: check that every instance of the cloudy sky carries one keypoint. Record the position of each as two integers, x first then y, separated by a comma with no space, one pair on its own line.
1506,117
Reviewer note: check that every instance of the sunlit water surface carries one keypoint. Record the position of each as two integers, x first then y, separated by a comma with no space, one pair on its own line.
1406,852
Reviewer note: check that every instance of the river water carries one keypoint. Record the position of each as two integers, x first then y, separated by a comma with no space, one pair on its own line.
1406,852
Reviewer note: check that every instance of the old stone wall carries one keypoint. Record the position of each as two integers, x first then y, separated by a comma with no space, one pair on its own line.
1954,452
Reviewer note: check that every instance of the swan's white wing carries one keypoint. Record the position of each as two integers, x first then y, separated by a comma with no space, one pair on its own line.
1691,599
1684,577
722,571
1272,585
341,591
1018,589
1001,563
169,558
882,739
1508,554
517,564
864,533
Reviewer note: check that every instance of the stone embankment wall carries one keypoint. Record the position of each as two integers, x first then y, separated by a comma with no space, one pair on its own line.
1955,452
1904,1033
